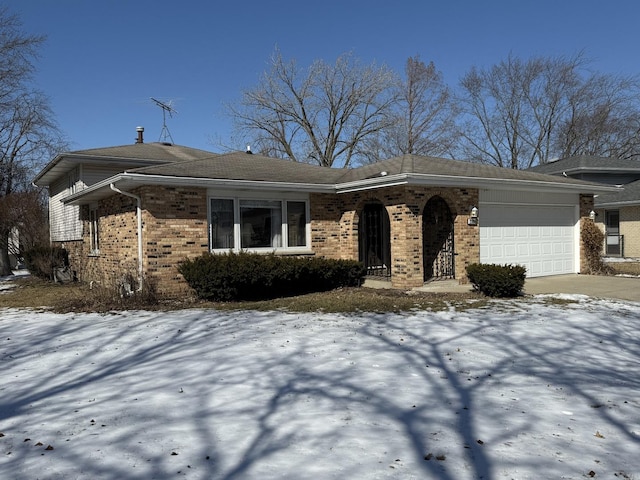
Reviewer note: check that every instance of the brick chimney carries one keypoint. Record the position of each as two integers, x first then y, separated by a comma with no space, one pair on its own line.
140,138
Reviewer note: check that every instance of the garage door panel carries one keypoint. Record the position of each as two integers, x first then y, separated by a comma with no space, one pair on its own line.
541,238
535,269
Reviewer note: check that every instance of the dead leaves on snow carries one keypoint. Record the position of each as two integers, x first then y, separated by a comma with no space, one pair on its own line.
37,444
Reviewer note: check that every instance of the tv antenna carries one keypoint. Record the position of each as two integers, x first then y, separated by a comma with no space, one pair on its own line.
165,136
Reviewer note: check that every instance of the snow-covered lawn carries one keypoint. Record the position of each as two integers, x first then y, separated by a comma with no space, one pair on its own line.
519,390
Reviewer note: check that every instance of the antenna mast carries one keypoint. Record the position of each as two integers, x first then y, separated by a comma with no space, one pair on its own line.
165,136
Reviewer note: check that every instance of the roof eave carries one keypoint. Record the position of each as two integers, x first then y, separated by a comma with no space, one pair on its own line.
64,162
474,182
132,180
627,203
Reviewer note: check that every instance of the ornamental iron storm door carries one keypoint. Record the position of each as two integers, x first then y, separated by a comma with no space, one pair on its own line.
437,235
374,240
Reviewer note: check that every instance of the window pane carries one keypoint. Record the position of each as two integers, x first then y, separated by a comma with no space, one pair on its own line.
221,223
94,230
296,224
261,223
613,221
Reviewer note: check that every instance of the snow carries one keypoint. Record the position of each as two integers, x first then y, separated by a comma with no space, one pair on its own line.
521,389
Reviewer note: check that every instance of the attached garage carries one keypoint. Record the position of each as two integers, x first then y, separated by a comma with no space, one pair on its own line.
411,219
537,230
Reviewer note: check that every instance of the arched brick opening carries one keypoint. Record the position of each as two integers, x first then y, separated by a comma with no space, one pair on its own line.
438,239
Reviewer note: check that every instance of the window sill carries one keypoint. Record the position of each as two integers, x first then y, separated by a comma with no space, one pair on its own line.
266,251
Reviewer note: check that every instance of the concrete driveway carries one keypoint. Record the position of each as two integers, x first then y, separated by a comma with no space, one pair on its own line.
622,288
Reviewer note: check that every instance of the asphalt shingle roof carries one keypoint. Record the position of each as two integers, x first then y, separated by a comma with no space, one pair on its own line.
243,166
630,195
151,152
132,155
587,163
422,165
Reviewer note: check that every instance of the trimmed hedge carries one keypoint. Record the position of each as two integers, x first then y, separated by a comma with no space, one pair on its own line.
40,261
251,276
497,280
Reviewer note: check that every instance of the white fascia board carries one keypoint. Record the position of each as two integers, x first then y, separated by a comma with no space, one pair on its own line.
604,169
466,182
65,161
629,203
219,182
133,180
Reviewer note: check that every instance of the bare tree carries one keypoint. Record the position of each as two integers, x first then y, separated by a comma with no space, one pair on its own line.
513,109
320,115
26,213
424,115
521,113
28,134
604,119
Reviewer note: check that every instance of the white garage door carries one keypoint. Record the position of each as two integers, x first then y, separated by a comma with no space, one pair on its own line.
540,237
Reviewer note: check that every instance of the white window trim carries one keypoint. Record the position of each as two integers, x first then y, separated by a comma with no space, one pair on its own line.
283,197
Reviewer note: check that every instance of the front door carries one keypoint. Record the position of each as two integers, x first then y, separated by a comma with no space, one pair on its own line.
374,240
437,240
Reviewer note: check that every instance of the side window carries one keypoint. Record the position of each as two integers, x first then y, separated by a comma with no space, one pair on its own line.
72,180
222,223
296,224
94,231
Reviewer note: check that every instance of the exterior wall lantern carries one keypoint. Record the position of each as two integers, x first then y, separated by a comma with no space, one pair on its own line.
473,217
592,215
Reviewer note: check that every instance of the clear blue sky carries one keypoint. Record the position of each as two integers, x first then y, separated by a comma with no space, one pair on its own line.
103,60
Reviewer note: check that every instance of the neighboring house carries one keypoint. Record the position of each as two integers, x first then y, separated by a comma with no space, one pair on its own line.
617,213
14,248
410,219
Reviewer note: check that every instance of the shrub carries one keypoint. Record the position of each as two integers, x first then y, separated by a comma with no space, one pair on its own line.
250,276
41,260
497,280
592,242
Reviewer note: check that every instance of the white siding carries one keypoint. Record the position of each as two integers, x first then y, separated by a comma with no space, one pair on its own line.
64,220
91,174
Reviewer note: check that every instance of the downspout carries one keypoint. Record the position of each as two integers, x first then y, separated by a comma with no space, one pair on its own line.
139,217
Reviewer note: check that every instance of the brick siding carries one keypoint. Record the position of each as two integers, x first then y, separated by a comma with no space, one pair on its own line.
334,227
630,229
175,227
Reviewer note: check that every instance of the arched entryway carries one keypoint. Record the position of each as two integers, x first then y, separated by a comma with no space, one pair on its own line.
374,243
437,240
